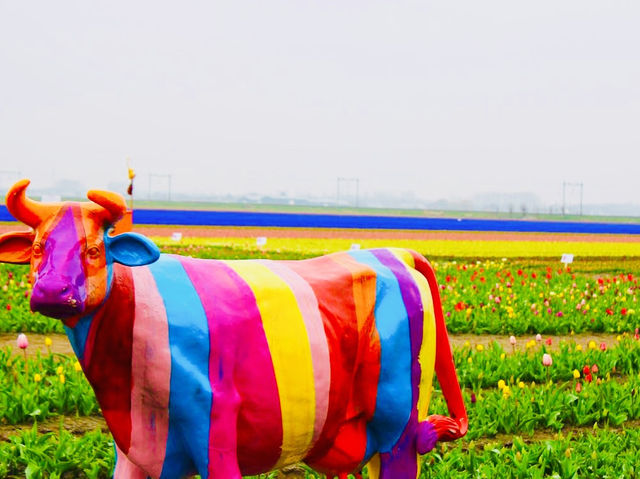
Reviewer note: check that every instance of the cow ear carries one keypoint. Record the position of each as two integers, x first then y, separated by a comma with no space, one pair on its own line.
132,249
15,247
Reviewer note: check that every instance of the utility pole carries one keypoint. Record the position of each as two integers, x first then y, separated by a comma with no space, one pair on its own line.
348,181
166,178
566,184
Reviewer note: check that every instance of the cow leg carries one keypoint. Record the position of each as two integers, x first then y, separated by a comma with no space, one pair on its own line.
402,461
223,443
125,469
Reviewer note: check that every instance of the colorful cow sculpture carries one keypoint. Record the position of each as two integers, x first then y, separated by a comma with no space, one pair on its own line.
225,368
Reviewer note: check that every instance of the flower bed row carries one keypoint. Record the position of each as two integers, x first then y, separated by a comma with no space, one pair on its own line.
479,366
500,297
53,384
603,454
522,408
600,454
35,455
41,387
466,248
496,297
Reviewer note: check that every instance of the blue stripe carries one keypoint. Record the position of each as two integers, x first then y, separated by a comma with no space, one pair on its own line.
190,395
302,220
78,335
393,400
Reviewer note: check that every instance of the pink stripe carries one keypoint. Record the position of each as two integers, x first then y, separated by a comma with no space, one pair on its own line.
308,305
150,374
125,469
240,369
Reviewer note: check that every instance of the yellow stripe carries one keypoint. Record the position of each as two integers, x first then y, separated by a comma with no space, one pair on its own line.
291,355
427,356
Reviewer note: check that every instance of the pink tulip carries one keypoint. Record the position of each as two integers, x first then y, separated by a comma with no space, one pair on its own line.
23,342
512,340
603,346
578,387
546,360
594,369
538,337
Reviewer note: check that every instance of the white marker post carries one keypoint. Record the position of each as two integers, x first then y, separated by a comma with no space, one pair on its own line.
566,259
177,236
355,246
261,241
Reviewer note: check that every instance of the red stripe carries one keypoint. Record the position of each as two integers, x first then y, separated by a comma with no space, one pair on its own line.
239,363
346,297
108,356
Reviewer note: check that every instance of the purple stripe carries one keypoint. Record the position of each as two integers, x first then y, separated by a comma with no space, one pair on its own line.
402,459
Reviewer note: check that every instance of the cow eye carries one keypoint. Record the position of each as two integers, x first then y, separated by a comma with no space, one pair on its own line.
93,252
36,249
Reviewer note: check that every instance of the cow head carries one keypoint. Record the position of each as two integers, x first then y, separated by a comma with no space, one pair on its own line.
70,250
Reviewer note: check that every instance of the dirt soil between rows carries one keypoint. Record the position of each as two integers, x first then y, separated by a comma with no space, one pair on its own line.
60,344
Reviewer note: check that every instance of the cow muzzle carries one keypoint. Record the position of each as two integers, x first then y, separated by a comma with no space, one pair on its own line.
56,298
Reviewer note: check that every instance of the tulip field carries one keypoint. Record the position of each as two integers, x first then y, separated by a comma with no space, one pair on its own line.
547,354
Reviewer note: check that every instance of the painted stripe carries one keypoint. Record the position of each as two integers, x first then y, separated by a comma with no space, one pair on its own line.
402,459
125,468
308,305
394,396
150,375
107,360
364,297
291,355
239,367
190,392
427,355
78,335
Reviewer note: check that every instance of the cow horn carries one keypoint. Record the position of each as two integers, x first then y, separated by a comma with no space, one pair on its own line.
24,209
113,203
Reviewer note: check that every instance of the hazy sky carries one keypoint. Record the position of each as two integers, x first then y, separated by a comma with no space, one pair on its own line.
444,99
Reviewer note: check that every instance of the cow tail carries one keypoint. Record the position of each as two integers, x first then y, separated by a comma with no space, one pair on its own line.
436,427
